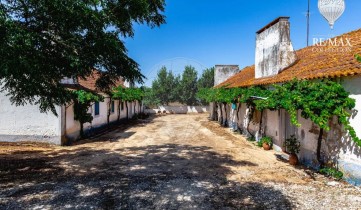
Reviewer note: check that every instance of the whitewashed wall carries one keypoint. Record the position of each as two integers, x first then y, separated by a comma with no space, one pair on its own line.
73,127
337,146
179,109
349,153
27,123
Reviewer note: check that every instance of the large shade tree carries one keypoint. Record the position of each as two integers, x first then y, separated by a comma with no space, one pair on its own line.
41,42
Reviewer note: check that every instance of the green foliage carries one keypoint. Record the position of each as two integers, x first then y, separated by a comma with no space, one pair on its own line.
358,57
265,139
165,88
318,101
207,94
82,102
229,95
41,42
188,86
251,139
150,100
127,94
332,172
292,145
206,81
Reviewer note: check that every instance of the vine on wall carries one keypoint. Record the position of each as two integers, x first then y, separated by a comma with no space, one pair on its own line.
318,101
82,101
127,95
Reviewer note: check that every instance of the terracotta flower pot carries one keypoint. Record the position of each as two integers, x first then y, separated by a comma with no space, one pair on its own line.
293,159
266,146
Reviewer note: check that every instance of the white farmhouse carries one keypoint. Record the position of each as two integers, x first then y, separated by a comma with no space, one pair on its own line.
27,123
276,62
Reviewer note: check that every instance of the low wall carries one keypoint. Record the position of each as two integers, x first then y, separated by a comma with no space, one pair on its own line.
179,109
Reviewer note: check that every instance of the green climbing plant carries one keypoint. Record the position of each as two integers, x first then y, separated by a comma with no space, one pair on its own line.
318,101
127,95
82,102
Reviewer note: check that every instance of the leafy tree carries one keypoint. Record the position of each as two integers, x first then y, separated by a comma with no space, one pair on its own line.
188,86
165,86
206,81
150,100
41,42
83,100
175,94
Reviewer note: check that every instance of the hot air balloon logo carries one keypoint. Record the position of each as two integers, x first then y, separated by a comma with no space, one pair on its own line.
331,10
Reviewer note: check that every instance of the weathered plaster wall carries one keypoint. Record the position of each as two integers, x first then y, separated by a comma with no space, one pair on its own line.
26,123
307,134
271,126
349,153
274,50
241,119
224,72
337,147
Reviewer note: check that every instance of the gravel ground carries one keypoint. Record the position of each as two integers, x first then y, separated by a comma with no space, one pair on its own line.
167,162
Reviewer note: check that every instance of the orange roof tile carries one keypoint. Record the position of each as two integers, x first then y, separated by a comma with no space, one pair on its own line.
313,62
90,81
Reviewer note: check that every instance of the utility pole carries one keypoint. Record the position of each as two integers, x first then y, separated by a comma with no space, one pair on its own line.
308,23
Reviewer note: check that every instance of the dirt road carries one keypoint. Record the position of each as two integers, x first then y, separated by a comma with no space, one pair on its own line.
167,162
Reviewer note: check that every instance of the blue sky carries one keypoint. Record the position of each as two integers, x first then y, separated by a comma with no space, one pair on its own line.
204,33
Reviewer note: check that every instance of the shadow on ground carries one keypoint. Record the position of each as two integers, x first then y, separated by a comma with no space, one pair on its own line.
152,177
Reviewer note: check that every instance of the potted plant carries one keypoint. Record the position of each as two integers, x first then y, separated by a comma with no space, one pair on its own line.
266,142
292,146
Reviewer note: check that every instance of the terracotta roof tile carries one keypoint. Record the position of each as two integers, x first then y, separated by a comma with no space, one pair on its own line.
313,63
90,81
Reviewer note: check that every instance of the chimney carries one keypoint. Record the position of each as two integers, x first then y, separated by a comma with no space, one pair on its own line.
274,50
224,72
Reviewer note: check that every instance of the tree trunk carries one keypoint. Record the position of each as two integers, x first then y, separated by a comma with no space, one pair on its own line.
109,112
220,120
260,125
140,107
119,110
126,105
250,116
213,115
225,124
238,108
319,144
81,130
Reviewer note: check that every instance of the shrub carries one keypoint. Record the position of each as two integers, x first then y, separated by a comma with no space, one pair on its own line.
292,145
332,172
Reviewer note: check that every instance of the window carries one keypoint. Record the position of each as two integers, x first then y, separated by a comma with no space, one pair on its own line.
112,107
122,105
96,108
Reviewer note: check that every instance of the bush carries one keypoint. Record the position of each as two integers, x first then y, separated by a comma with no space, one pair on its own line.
332,172
292,145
